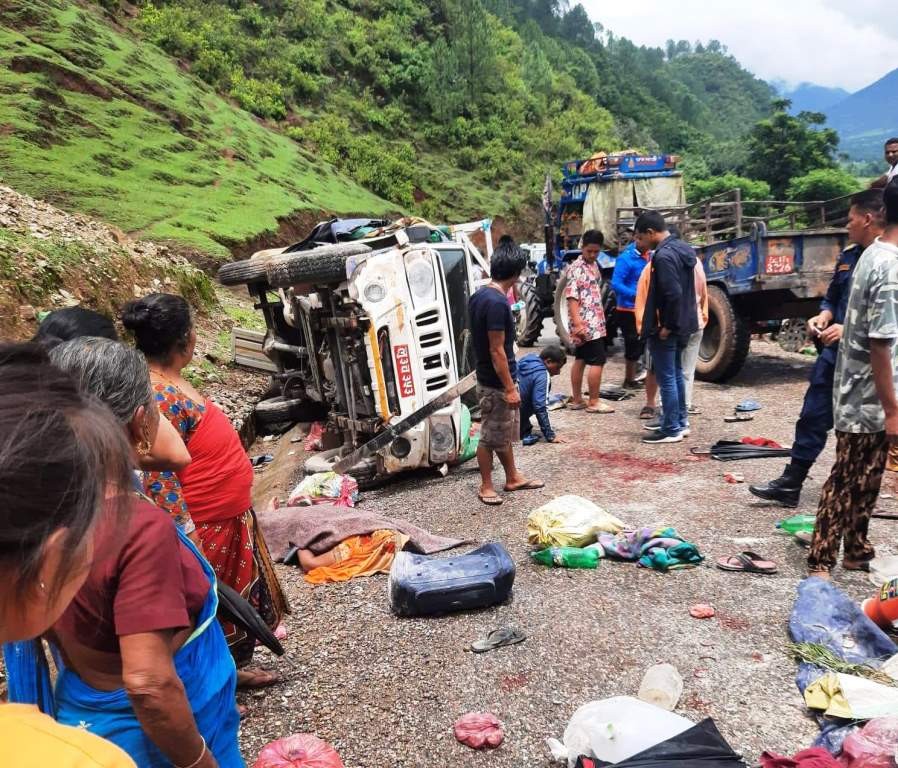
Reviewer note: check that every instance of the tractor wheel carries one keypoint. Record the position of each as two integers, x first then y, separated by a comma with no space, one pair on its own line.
530,318
725,341
609,306
562,319
324,265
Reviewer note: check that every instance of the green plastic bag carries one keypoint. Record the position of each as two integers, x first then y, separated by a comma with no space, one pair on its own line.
469,443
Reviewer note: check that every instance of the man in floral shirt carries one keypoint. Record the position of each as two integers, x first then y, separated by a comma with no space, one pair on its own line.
583,293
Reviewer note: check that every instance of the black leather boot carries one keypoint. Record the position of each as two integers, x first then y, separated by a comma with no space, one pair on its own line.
786,489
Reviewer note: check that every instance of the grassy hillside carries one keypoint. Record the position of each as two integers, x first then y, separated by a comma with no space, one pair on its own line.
204,122
96,121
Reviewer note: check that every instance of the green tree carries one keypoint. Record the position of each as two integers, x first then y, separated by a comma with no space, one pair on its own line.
783,147
823,184
702,189
471,46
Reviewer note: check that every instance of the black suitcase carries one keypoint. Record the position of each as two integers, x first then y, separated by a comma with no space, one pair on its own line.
421,585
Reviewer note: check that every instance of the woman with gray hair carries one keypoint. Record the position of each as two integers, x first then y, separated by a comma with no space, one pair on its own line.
146,664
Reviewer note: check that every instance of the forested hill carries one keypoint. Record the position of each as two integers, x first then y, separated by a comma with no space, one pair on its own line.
446,108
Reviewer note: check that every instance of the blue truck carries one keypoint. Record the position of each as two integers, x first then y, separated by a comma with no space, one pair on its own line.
768,262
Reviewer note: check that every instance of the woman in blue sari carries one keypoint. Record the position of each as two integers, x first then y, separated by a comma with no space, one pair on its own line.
144,662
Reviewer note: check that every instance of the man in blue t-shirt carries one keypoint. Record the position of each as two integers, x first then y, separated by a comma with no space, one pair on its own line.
492,336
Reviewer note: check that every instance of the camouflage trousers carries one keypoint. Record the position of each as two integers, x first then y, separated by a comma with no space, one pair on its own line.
848,500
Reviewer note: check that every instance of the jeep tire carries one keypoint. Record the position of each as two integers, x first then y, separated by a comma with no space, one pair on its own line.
243,272
275,410
530,322
726,339
323,265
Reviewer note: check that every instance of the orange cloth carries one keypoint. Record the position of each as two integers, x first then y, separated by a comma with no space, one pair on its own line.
360,556
642,294
31,739
701,295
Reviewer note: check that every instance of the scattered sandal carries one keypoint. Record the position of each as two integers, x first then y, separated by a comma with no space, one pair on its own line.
527,485
738,417
750,562
803,538
498,638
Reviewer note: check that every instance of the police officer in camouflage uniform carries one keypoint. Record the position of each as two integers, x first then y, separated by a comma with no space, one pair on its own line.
865,405
816,419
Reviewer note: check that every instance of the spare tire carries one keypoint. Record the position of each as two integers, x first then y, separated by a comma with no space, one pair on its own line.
326,265
243,272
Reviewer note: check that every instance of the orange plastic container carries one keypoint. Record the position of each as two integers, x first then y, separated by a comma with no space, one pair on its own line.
882,608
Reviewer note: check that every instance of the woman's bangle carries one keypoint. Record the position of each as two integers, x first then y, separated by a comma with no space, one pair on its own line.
197,761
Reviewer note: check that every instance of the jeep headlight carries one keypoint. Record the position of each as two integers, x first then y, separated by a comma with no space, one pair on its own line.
420,278
375,292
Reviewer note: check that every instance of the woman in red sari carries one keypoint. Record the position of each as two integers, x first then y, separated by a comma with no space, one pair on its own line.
214,492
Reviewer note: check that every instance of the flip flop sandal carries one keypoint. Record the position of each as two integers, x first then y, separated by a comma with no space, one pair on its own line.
498,638
748,405
700,451
647,413
803,538
576,406
863,565
738,417
750,562
601,408
490,501
530,485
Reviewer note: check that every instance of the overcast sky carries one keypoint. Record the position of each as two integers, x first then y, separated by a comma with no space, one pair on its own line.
846,43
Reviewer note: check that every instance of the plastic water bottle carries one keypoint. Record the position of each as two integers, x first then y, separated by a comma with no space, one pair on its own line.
661,686
797,523
567,557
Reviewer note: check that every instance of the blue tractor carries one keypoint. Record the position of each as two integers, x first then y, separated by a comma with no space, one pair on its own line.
768,263
604,192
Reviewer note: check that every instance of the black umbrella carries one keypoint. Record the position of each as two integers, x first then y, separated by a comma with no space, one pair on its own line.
235,609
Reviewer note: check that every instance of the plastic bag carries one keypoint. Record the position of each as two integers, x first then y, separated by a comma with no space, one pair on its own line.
569,521
873,746
615,729
325,488
313,439
301,750
479,730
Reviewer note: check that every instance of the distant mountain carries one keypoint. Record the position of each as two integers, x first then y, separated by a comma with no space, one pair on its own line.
867,118
809,97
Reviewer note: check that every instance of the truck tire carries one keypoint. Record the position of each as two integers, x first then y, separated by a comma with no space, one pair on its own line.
530,321
561,315
243,272
725,341
324,265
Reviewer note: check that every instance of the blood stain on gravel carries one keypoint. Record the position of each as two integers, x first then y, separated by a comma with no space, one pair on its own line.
632,468
511,683
732,622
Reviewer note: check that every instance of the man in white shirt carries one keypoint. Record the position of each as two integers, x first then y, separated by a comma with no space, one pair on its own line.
891,156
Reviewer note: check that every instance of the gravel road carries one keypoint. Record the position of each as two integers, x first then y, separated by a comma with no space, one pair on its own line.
386,691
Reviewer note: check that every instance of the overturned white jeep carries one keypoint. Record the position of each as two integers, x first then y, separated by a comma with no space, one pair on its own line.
366,323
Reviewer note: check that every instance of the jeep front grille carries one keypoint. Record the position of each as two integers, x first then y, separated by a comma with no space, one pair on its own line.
431,362
429,317
430,339
436,383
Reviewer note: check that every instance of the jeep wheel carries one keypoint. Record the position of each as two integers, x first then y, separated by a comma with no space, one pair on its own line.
530,318
725,341
364,473
281,409
323,265
793,335
562,320
243,272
